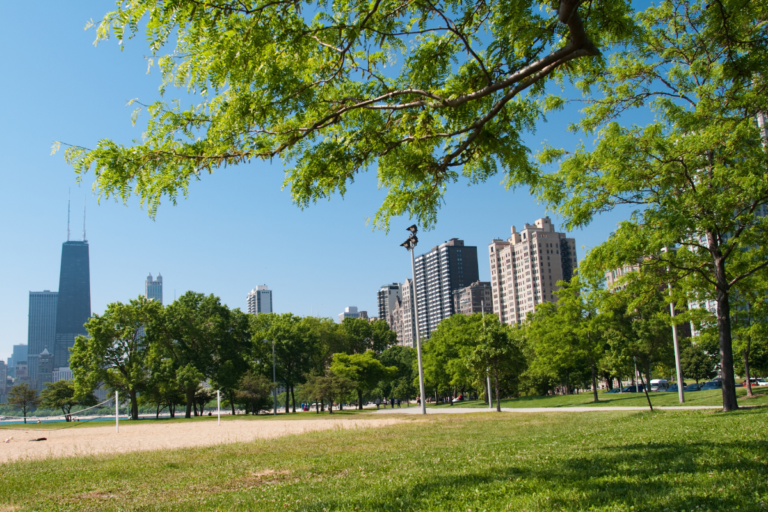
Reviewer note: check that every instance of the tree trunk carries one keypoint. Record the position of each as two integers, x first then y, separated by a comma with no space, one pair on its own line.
134,405
330,406
360,399
645,388
726,342
293,399
496,383
190,395
594,379
746,368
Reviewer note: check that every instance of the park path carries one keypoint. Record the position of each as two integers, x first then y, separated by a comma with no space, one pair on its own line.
465,410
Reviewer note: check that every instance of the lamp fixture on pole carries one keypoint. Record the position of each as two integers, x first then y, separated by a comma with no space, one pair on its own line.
409,244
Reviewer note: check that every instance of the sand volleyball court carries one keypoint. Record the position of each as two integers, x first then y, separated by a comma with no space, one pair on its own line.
135,436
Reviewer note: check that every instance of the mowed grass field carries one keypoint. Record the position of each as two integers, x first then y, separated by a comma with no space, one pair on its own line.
713,397
606,461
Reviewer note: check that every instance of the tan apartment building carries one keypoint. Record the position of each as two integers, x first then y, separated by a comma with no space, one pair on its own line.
526,267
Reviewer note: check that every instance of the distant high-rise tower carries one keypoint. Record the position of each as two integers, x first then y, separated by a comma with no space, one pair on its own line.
74,305
153,289
387,298
260,300
45,370
439,273
526,268
41,333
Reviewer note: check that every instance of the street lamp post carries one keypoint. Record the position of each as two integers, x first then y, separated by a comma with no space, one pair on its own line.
488,373
274,376
676,344
409,245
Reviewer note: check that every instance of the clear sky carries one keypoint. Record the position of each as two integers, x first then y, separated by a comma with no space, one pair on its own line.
237,229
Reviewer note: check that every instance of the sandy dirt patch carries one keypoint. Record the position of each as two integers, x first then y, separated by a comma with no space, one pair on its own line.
78,442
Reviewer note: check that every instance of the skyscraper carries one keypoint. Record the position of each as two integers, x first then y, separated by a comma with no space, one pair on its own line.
74,305
439,273
387,298
153,289
349,312
525,268
260,300
41,333
45,370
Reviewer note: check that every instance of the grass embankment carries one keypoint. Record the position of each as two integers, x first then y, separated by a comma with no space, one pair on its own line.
551,461
713,397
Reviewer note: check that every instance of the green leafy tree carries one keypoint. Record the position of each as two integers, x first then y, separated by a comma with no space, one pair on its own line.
500,350
61,395
330,388
364,370
117,350
254,393
445,352
362,335
23,398
319,91
695,176
206,340
696,364
163,389
296,343
401,384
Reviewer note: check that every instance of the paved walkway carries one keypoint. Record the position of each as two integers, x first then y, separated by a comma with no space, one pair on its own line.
464,410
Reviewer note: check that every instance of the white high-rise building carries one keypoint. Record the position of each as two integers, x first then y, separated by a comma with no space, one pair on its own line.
525,269
153,289
260,300
350,312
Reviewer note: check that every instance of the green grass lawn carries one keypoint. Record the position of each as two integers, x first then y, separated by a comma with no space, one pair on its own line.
611,461
713,397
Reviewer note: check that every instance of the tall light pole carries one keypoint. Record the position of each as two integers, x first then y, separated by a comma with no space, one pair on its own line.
409,245
274,377
678,366
488,373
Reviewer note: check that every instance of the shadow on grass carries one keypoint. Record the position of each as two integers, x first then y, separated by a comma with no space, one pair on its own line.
615,478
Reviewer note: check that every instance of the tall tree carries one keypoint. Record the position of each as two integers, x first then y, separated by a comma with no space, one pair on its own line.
446,351
23,398
61,395
295,343
319,91
695,176
116,352
363,369
500,350
207,340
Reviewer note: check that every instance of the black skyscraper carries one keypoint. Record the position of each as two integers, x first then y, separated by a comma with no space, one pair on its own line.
74,306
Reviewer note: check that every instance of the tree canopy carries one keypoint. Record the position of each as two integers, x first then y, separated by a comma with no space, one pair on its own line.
425,92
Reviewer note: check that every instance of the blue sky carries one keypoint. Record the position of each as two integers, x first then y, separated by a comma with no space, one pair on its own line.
237,229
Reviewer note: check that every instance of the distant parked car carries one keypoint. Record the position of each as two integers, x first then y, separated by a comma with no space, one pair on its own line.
614,390
634,389
659,384
693,387
713,384
762,382
673,388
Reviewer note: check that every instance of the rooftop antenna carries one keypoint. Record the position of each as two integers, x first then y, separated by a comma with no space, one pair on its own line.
69,201
83,219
